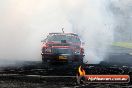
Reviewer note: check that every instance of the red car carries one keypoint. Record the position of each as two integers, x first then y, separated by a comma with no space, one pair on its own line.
62,47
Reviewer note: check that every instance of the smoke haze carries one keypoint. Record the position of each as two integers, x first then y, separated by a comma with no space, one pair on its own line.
122,10
93,21
24,23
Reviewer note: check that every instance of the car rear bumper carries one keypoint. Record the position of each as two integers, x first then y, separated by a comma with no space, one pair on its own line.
62,57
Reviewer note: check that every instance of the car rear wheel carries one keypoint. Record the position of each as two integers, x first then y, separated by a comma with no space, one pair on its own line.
45,62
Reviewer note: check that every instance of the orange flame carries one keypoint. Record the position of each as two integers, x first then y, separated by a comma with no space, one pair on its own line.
81,71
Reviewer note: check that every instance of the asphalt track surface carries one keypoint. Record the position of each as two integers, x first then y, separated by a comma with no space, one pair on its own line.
36,75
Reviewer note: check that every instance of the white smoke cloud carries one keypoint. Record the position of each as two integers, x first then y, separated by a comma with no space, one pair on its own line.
93,21
24,22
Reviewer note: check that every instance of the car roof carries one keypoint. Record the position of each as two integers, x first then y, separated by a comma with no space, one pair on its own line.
63,34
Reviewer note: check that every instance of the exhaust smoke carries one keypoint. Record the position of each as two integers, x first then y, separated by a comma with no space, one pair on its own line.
24,22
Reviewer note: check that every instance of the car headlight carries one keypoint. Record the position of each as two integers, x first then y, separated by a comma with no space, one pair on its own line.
48,50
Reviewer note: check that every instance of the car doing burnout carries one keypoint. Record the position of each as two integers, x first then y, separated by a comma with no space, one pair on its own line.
62,47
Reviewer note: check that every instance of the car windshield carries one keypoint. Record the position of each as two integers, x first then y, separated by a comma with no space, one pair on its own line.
68,38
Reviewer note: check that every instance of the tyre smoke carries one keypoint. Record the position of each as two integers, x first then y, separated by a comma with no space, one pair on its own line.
24,23
93,21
